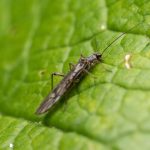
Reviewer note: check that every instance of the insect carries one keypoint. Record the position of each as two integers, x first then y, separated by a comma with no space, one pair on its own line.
76,73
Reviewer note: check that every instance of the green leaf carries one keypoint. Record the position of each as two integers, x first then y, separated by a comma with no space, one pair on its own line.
110,111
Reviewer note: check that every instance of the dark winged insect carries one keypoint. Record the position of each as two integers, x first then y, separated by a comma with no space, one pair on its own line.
77,71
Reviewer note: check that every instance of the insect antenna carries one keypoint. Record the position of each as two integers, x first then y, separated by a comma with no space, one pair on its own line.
119,37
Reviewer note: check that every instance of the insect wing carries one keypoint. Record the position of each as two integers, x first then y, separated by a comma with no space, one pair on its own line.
49,101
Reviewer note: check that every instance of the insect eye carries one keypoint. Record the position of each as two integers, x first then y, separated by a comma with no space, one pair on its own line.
98,56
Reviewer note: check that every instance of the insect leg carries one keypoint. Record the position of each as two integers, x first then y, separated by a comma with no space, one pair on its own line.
55,74
105,69
71,66
86,71
81,56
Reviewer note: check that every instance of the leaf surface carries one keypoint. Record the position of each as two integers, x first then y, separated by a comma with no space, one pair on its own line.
110,111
